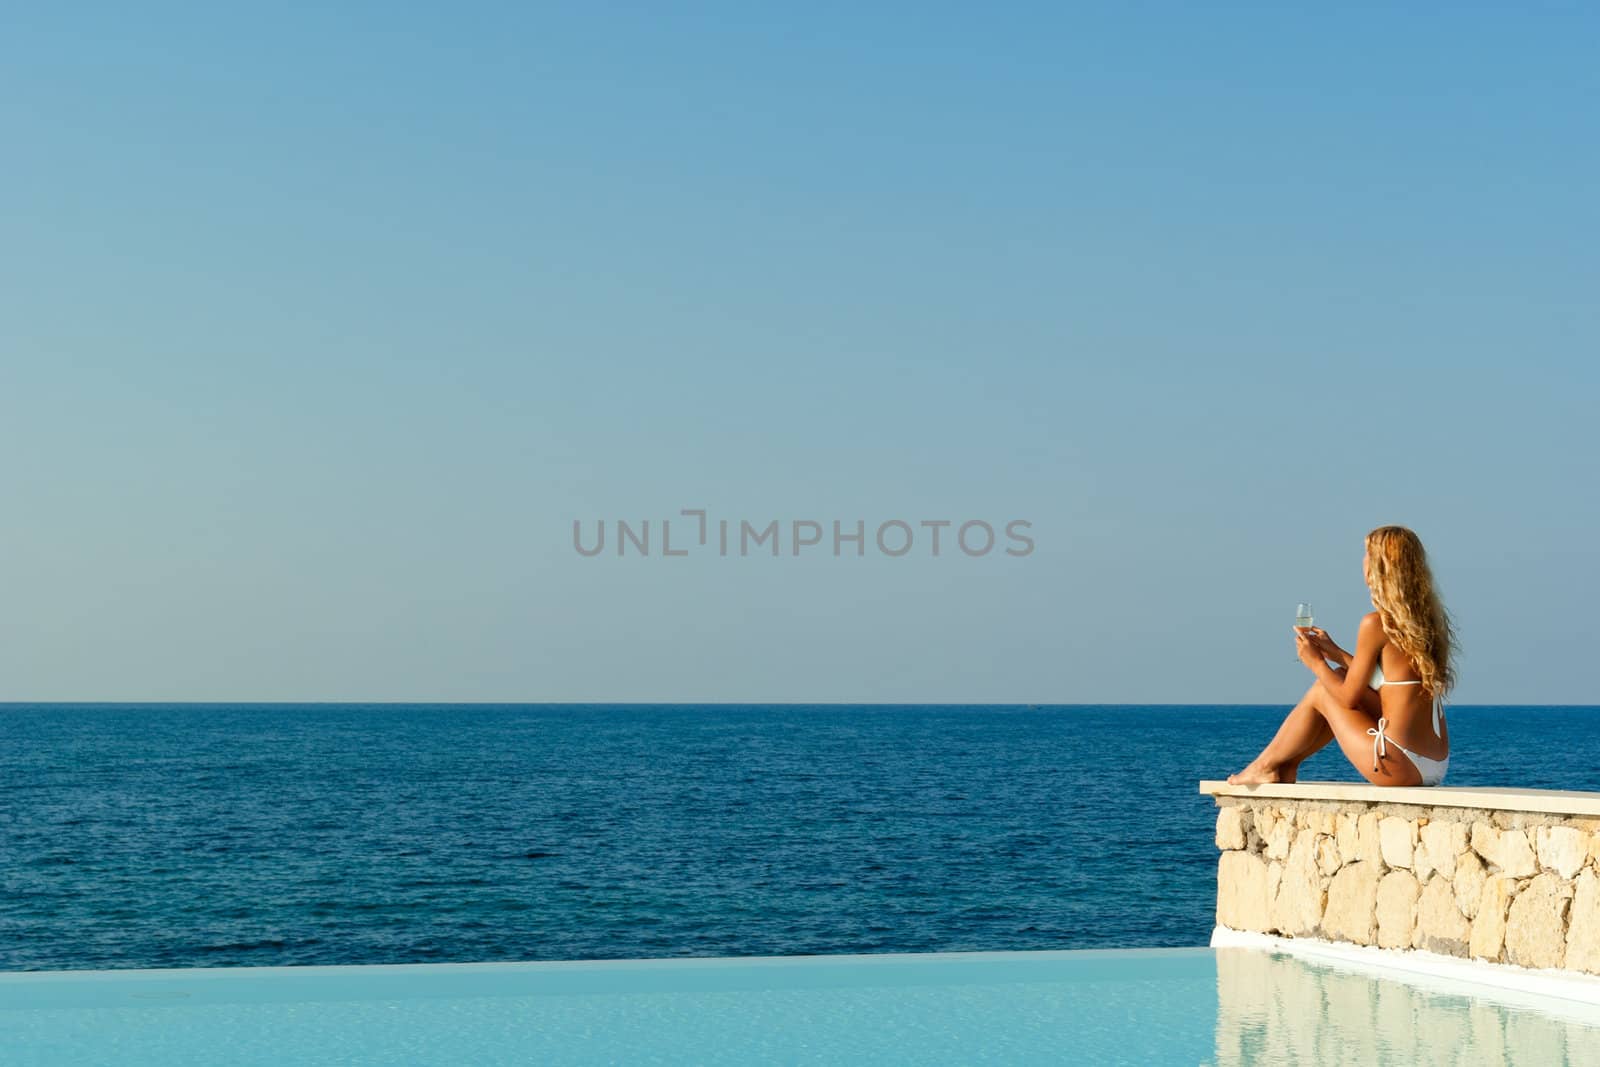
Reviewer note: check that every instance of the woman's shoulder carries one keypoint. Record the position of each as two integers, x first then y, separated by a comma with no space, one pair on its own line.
1371,623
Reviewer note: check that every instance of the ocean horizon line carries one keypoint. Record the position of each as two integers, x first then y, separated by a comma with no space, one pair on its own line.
1038,705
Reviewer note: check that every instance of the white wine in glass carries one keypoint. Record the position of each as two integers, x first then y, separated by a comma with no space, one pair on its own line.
1303,619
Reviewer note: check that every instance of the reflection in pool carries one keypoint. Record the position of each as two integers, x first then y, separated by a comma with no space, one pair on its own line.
1277,1008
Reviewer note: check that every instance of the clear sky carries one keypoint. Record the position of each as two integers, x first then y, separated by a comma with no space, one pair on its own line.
319,328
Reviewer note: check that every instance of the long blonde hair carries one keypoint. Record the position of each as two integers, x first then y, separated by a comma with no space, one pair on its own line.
1413,616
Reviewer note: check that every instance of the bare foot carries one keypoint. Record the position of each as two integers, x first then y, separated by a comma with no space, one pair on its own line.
1258,774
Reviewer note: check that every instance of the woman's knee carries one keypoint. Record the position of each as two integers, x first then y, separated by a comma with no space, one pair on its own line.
1328,707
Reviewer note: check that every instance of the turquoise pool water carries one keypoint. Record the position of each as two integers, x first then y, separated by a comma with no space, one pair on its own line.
1149,1006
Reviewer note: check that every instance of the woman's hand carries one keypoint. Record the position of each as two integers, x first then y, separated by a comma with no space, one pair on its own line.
1310,654
1323,643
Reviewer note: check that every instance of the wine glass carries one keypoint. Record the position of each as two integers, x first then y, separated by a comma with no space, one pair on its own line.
1303,619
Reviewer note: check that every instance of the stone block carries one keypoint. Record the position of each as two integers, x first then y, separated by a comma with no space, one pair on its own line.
1469,879
1443,842
1397,841
1396,909
1346,837
1536,925
1440,925
1489,924
1560,849
1422,861
1583,924
1507,850
1352,900
1242,891
1327,854
1368,849
1233,827
1278,839
1298,898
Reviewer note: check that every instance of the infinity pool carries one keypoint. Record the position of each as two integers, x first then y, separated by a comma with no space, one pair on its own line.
1151,1006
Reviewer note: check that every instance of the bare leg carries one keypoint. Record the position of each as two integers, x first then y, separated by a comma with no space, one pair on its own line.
1303,732
1290,770
1350,726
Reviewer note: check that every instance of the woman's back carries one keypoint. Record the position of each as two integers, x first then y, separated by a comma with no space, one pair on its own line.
1407,703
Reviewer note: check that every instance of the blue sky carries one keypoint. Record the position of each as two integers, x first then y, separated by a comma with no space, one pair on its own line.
318,329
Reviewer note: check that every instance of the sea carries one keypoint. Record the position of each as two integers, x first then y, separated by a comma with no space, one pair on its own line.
211,835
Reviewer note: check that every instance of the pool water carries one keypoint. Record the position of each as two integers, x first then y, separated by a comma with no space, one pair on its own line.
1220,1006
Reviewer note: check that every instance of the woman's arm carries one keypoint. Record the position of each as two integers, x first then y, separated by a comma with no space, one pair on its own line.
1346,689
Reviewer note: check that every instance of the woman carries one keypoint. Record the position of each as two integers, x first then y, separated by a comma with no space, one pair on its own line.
1384,704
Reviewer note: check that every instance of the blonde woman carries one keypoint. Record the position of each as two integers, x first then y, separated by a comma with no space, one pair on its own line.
1384,703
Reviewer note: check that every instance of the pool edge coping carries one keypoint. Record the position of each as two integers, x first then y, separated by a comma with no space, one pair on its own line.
646,963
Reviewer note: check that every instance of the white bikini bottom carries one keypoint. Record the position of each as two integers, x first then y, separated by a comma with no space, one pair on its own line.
1432,769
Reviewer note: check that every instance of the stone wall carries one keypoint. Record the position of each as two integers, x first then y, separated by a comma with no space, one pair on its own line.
1503,886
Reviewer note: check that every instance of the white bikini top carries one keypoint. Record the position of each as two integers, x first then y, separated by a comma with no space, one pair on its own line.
1378,681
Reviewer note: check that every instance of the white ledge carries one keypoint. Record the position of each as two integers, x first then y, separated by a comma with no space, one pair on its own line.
1494,798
